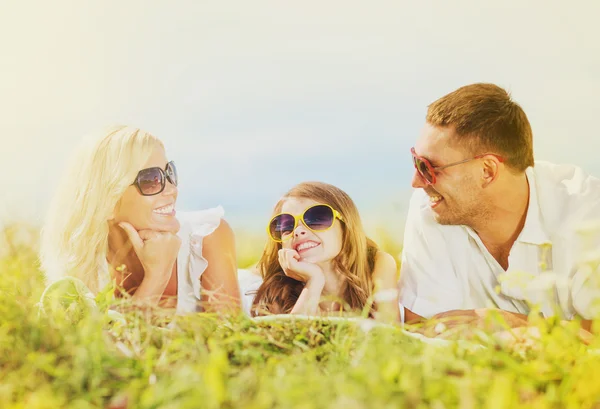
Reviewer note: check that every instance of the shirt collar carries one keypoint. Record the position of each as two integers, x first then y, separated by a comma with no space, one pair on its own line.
533,231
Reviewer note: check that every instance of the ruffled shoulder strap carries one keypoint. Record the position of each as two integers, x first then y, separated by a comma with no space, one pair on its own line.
195,226
200,223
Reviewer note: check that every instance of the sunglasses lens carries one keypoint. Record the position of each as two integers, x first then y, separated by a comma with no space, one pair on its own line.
172,173
423,170
319,218
150,181
281,226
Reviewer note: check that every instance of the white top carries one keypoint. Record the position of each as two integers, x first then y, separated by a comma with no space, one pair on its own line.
448,267
249,282
195,226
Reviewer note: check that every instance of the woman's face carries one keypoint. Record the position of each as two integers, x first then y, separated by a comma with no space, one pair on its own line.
313,246
155,212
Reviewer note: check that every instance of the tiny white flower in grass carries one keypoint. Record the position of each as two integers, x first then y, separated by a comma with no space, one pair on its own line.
439,328
367,325
386,295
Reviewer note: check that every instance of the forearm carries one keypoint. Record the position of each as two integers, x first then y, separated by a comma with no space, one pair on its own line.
220,288
150,291
222,299
491,316
587,325
308,302
387,308
411,318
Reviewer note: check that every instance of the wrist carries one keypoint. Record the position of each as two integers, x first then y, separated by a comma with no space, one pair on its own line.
316,283
155,282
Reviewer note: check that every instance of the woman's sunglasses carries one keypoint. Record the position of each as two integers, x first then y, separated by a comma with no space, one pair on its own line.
428,172
317,218
152,181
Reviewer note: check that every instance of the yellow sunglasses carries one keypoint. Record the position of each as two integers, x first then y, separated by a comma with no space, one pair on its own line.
318,217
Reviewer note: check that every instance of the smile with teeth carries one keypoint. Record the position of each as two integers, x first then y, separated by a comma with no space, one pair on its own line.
434,200
168,209
306,245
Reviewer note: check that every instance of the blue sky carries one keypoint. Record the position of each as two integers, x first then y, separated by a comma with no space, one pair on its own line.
253,97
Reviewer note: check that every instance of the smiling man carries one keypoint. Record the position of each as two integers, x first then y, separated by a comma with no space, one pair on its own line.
483,208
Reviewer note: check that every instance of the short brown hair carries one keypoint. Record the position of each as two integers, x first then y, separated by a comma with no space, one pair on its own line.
486,119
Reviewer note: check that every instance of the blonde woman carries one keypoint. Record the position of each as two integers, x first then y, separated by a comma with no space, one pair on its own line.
319,250
115,208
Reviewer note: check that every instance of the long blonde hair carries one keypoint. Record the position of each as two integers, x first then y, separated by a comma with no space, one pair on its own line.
278,293
74,238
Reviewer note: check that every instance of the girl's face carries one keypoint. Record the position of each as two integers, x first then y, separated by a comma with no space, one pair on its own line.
154,212
312,246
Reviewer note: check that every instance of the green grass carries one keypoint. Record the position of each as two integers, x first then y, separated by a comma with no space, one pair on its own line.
203,361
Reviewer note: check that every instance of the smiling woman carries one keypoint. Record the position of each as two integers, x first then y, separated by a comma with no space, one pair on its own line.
114,218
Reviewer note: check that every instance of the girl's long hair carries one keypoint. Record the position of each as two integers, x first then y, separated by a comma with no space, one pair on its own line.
74,239
278,293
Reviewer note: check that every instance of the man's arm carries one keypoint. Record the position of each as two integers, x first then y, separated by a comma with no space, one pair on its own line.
492,320
587,325
412,318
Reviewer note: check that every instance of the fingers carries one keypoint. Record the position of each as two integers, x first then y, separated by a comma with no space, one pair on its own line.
284,260
290,254
281,259
133,235
148,234
287,263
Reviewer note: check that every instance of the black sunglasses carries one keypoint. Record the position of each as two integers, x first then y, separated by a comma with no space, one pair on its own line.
152,181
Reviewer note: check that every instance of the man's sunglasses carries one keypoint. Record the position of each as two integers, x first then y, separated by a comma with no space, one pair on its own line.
428,172
317,218
152,181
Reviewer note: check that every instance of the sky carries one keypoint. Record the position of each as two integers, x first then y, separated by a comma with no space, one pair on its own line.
251,98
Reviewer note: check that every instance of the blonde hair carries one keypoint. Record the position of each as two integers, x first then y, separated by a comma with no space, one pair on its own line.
74,239
278,293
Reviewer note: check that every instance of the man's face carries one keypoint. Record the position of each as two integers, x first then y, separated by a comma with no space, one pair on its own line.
457,196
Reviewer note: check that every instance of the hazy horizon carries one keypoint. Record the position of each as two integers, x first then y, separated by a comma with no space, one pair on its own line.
253,98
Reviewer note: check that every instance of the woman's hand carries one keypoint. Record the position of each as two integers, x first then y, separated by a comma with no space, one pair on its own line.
303,271
157,252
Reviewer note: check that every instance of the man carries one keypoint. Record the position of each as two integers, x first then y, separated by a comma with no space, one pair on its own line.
483,208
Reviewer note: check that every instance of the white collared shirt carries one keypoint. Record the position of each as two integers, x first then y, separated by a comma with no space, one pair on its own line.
448,268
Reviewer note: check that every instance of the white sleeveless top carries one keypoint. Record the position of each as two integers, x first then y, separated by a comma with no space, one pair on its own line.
195,226
191,264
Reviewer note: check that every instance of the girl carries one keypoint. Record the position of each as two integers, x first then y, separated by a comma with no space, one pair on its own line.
318,250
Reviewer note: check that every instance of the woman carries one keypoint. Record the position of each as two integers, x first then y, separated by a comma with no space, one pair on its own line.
113,218
320,260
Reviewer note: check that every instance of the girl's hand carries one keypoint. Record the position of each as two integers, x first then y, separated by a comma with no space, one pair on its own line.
303,271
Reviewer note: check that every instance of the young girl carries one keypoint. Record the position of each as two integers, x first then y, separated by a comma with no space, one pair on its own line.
319,259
